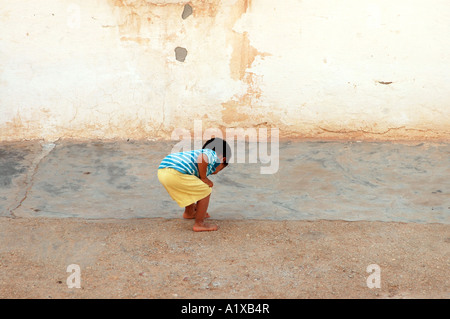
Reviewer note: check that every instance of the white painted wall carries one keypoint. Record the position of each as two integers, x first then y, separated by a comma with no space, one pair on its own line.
312,68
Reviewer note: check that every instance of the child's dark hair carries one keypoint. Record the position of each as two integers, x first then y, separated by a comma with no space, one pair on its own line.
220,146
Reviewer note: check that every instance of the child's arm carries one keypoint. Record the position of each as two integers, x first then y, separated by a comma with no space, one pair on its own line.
202,167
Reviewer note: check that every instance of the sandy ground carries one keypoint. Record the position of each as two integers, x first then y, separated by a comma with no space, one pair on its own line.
163,258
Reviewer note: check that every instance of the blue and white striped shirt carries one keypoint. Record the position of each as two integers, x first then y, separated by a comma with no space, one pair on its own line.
186,162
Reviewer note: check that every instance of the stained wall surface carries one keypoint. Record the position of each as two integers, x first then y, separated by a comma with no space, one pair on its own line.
366,69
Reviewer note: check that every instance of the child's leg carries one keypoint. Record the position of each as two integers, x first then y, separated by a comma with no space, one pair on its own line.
190,211
202,207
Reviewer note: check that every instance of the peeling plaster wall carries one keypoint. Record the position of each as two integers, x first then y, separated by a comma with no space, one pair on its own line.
366,69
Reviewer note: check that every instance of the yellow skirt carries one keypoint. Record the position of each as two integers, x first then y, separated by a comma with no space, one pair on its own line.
185,189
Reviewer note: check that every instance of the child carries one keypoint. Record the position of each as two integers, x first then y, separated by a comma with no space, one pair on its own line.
185,177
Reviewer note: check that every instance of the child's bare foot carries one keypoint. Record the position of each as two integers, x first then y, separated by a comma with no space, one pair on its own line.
204,227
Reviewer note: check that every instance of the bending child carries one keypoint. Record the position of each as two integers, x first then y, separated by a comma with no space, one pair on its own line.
185,177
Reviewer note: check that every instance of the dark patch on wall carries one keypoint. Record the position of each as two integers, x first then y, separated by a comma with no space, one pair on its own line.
115,172
124,186
58,190
119,177
10,166
187,11
180,54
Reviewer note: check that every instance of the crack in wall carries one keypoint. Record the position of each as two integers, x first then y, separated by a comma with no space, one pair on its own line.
360,131
47,148
381,133
401,133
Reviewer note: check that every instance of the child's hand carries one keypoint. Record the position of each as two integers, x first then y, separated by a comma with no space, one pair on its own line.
202,161
207,182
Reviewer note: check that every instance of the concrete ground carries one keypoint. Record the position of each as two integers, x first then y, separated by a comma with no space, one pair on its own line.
309,230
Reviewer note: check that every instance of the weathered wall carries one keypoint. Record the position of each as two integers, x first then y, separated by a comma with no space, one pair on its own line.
312,68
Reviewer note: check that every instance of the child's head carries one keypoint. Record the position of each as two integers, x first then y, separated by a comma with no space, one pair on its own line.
221,148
